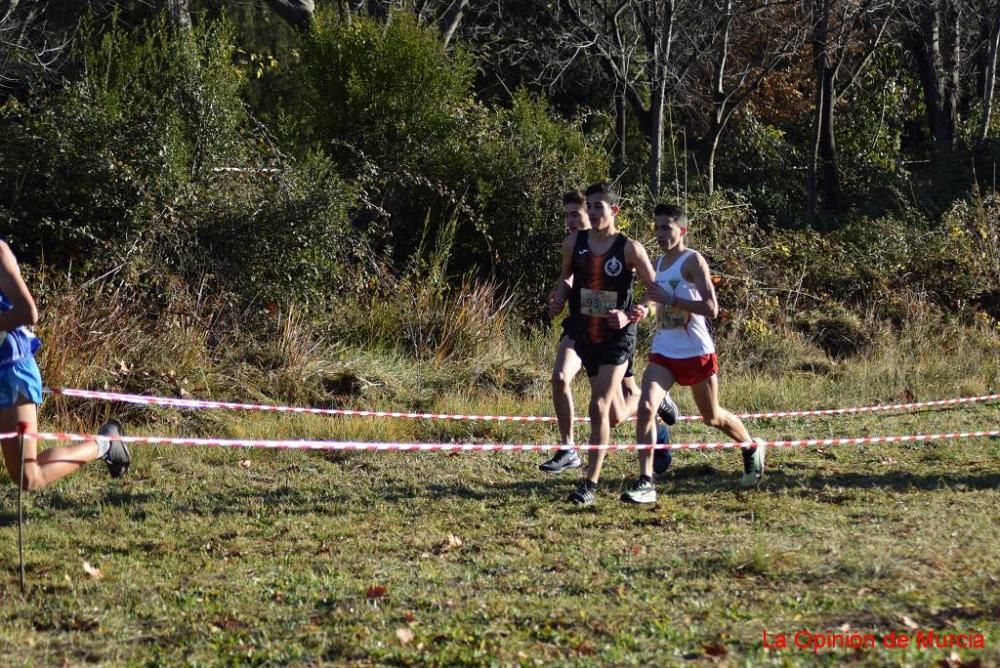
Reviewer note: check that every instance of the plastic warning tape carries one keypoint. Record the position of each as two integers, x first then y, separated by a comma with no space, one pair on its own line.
180,402
505,447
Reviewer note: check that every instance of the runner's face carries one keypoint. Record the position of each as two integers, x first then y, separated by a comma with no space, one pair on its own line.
576,217
668,233
601,214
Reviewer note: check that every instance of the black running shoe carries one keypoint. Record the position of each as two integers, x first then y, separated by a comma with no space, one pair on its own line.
584,495
117,457
668,411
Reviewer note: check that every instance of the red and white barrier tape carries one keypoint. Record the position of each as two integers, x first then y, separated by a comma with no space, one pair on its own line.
501,447
178,402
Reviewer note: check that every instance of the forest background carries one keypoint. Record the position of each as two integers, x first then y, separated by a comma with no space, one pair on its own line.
388,174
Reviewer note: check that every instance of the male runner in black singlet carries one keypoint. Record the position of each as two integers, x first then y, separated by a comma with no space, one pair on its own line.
597,277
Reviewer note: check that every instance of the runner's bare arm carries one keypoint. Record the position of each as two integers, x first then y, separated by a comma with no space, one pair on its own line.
23,310
636,258
560,291
696,271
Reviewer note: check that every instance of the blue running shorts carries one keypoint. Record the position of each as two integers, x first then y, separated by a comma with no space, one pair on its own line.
20,379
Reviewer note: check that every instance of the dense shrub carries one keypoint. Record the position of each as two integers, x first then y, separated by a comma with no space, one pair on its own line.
837,331
398,115
758,161
149,163
89,168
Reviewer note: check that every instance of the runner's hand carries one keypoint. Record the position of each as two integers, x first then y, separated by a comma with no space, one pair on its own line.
619,319
660,295
637,312
556,303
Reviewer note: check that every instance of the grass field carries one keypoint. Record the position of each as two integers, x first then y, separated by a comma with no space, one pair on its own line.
233,557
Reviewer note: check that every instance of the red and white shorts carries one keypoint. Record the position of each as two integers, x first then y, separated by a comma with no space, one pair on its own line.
688,370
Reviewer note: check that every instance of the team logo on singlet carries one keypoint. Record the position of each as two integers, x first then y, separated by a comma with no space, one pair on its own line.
613,267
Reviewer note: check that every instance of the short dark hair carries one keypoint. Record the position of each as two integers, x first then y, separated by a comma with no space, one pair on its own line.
674,213
606,191
574,197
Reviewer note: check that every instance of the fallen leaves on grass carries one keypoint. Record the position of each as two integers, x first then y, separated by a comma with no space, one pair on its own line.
953,660
908,622
94,573
715,649
450,544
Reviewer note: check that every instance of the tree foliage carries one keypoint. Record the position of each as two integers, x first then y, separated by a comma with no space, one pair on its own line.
394,143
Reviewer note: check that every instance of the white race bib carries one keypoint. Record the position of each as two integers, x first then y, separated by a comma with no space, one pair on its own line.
671,318
597,302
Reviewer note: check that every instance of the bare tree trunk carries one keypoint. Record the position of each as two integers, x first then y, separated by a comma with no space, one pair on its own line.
938,77
812,178
656,138
713,146
456,19
344,10
297,13
718,96
955,81
659,46
989,74
180,14
620,112
820,19
828,146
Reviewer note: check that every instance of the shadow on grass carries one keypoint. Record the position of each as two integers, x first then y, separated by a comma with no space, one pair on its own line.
685,481
898,481
56,501
483,491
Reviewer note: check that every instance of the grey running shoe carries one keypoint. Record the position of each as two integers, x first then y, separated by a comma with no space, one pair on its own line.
641,491
583,496
117,457
662,457
753,464
668,411
561,461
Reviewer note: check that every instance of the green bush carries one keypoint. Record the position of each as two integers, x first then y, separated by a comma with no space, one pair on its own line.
275,236
528,159
836,330
759,161
397,113
88,168
149,162
388,94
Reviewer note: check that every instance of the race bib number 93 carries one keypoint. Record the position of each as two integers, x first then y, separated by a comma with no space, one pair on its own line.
597,302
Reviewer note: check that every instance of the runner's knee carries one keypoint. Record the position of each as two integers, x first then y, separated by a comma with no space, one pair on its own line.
714,420
600,406
32,480
560,382
646,410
